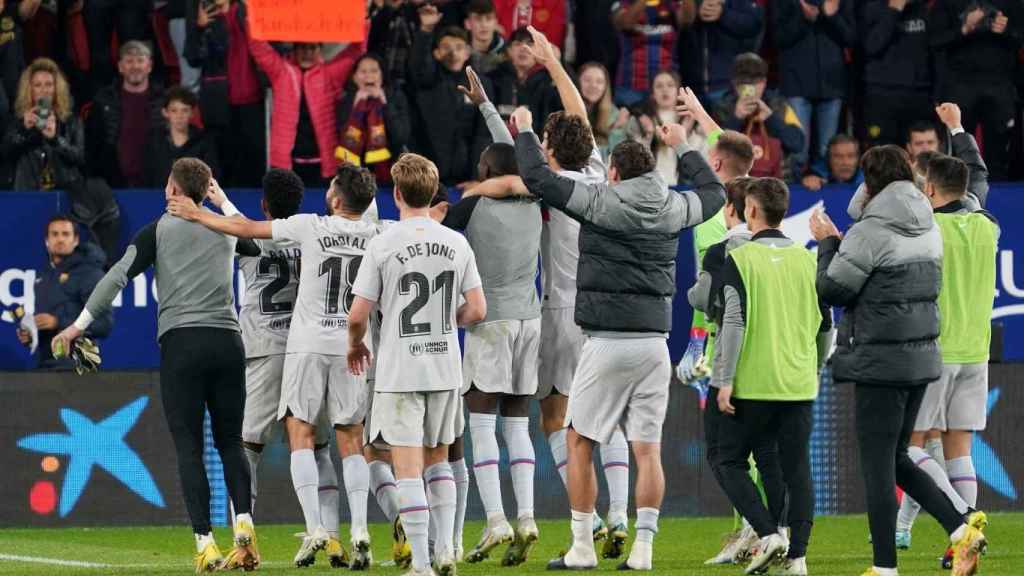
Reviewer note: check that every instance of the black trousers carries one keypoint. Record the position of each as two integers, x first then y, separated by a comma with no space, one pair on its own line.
204,369
779,430
241,146
885,419
889,113
992,105
131,19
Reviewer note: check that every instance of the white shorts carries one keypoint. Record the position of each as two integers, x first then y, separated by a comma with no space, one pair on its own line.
501,357
263,378
561,343
379,444
621,380
315,381
416,419
958,400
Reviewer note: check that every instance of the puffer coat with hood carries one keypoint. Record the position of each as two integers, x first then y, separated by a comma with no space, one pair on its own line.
887,273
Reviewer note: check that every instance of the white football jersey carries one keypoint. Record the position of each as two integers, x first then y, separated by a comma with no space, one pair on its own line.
560,242
332,249
271,284
416,271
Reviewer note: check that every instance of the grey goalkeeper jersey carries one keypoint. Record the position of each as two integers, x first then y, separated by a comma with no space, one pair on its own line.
194,269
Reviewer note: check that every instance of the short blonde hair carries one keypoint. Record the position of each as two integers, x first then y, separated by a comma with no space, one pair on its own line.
416,179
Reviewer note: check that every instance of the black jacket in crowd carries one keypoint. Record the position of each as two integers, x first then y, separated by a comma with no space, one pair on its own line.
982,55
161,153
448,129
62,290
707,50
629,236
896,52
393,30
537,92
41,163
397,118
103,130
811,59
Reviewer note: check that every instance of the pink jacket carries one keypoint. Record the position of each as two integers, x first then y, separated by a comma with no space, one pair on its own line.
322,85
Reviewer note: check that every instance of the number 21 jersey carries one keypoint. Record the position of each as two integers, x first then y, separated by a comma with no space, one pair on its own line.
271,282
332,249
416,272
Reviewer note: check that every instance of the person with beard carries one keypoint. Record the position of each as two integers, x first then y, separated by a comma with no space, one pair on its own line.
303,131
843,165
121,117
176,138
447,127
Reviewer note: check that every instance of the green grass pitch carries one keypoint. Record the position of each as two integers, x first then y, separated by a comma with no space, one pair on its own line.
838,547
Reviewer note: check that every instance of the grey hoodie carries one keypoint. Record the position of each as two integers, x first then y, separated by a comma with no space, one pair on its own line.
887,273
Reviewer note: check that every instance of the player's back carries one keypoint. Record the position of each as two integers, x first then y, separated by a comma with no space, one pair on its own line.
271,286
423,268
505,236
194,271
332,249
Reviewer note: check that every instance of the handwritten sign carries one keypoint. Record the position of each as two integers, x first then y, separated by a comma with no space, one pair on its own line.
308,20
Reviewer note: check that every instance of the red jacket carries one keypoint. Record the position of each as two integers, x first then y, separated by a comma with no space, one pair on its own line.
547,16
322,85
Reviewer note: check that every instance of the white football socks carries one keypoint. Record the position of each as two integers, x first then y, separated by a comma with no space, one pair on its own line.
522,461
929,466
560,454
327,491
415,515
305,480
485,462
357,487
441,497
254,458
615,460
964,479
385,488
461,474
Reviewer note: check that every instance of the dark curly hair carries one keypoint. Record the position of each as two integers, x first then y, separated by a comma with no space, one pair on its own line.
884,165
356,186
569,139
282,192
632,159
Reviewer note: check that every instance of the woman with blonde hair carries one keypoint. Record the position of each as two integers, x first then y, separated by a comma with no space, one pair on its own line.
45,142
607,121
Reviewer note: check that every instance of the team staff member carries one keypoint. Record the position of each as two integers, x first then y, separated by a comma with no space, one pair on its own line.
625,307
887,273
202,360
774,337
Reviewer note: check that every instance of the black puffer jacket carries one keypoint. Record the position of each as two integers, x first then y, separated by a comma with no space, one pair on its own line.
887,273
811,60
44,164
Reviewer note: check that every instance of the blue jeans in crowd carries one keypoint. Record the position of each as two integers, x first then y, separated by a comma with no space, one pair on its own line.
823,117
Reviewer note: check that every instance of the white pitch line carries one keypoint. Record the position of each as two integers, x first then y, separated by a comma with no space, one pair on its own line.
53,561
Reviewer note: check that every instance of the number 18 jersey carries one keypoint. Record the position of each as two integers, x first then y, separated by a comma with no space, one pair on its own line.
271,282
416,271
332,248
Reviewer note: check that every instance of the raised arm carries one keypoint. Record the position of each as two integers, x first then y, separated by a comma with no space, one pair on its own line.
966,149
545,54
708,194
478,96
689,105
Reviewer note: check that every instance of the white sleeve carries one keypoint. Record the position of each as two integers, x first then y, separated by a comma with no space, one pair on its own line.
470,276
295,229
368,282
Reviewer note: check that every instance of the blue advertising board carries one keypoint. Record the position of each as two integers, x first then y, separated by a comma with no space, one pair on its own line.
132,344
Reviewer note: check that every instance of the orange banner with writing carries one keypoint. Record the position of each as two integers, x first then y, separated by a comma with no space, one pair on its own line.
308,20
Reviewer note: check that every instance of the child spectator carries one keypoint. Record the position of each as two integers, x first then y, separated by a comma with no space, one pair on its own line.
373,120
447,127
547,16
647,39
811,40
710,41
177,138
607,120
764,116
303,129
843,166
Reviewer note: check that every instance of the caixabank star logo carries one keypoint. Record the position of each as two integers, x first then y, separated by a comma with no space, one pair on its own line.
85,445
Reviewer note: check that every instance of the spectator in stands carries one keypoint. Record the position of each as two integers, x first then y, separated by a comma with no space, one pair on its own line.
897,68
547,16
230,94
981,41
121,117
393,25
44,142
811,39
303,130
129,17
765,117
175,138
592,29
13,15
487,45
922,136
521,81
447,127
373,120
647,41
175,11
607,121
660,110
843,166
711,41
62,288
